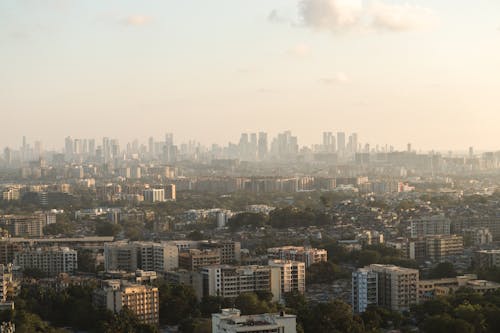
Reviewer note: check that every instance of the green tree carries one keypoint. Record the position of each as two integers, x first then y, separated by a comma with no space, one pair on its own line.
443,270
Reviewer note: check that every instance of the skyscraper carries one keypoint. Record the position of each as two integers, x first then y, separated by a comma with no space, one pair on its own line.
341,141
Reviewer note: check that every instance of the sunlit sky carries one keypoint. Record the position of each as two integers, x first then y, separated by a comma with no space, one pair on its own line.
426,72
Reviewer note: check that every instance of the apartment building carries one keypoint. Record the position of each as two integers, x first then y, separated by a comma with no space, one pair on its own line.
142,300
430,225
364,289
23,226
231,321
303,254
292,275
397,286
148,256
487,258
231,281
441,248
51,261
194,258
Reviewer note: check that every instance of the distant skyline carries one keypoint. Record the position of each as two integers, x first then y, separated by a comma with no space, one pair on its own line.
425,72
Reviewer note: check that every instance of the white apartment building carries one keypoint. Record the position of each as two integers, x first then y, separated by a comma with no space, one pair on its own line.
231,281
52,261
364,289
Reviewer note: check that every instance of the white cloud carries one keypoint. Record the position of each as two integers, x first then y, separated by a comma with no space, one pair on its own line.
137,20
349,15
402,17
336,79
299,50
331,14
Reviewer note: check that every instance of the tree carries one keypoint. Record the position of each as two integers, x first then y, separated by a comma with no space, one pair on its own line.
324,272
335,317
107,229
249,303
443,270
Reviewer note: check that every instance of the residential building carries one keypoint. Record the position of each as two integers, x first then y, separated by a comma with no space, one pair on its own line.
230,281
303,254
430,289
292,275
433,225
142,300
51,261
477,236
397,286
23,226
194,258
442,247
154,195
364,289
485,259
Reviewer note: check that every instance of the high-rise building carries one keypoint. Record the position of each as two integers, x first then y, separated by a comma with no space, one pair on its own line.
397,286
441,248
51,261
433,225
142,300
231,281
293,275
364,289
154,195
262,146
340,141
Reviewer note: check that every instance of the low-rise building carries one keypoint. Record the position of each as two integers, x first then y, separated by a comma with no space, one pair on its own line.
303,254
231,321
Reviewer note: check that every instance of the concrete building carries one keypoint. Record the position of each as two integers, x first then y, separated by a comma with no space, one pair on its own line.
303,254
292,275
477,236
231,281
364,289
441,248
485,259
433,225
154,195
430,289
194,258
231,321
51,261
397,286
23,226
148,256
142,300
170,192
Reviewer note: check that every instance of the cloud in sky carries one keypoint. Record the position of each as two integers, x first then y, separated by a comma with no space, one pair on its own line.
137,20
357,15
300,50
338,78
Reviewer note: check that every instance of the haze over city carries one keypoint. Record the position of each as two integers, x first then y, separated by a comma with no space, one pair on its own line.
424,72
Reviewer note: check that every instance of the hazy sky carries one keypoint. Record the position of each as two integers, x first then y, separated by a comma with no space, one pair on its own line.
426,72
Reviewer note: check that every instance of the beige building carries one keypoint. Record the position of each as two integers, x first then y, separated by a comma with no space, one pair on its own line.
231,281
431,225
397,286
194,258
231,321
292,275
441,247
303,254
142,300
25,226
429,289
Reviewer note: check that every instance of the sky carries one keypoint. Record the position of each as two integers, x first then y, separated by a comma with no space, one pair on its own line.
425,72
